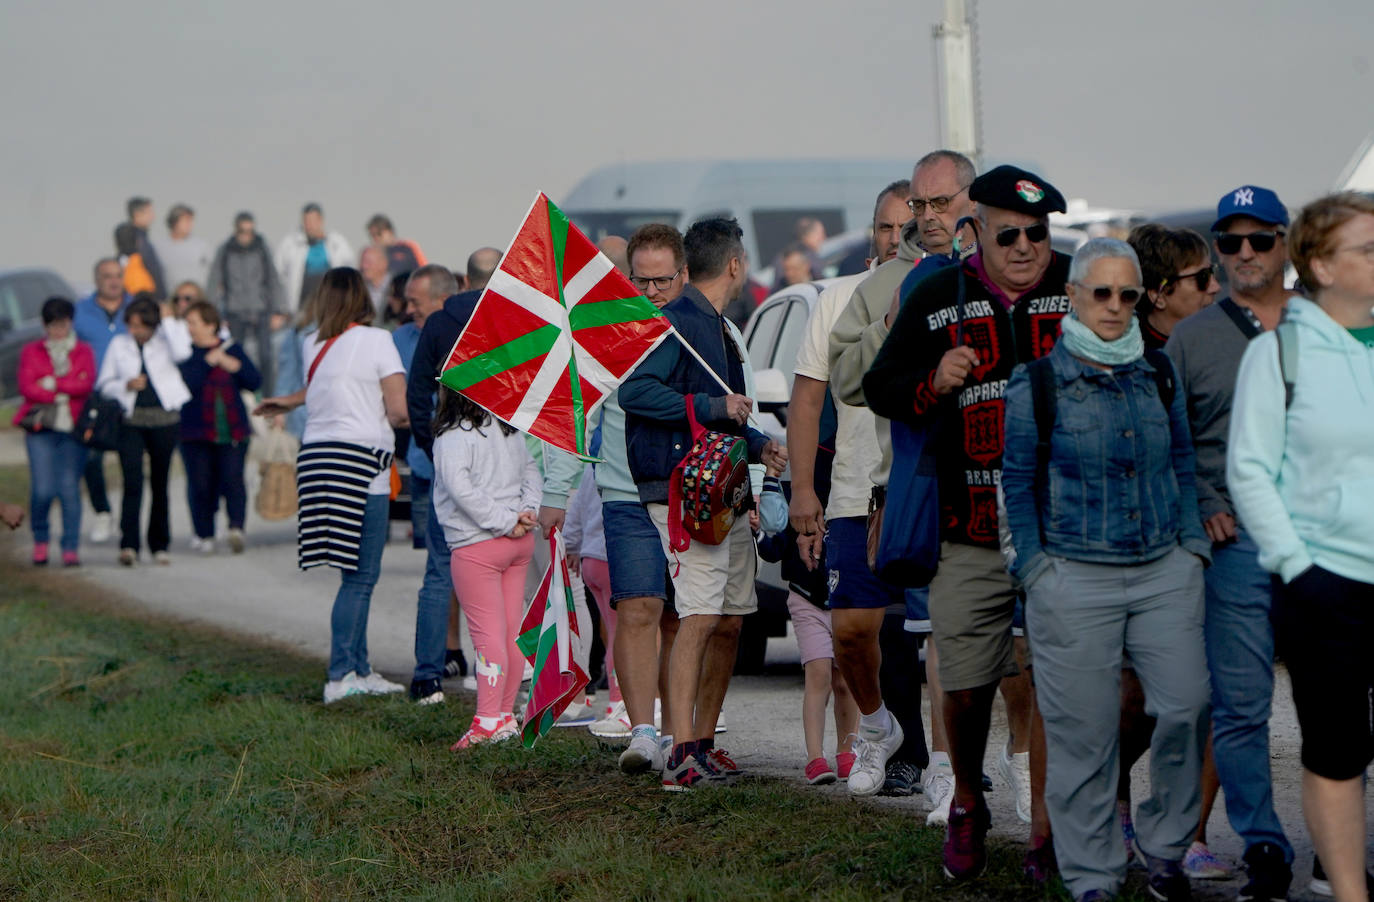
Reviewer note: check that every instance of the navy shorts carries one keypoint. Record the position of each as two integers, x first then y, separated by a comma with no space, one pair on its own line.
852,584
634,552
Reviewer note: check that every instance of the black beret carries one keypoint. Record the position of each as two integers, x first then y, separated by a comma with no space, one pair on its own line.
1012,188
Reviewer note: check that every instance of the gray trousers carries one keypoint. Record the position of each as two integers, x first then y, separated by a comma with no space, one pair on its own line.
1080,617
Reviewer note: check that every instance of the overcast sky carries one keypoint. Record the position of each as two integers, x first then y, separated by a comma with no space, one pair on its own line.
449,116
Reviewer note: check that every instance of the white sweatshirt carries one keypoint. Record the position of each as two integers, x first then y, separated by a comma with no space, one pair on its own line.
483,479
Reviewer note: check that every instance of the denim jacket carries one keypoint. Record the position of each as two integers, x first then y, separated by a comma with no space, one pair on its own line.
1121,483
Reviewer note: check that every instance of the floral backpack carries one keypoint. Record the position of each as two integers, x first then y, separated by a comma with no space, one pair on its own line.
710,487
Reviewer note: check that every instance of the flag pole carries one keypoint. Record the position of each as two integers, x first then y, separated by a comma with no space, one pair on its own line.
714,375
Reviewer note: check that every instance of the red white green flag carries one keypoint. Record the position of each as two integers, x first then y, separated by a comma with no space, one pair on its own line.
546,642
556,330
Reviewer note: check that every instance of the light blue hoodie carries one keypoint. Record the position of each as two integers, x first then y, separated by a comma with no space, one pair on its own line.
1303,479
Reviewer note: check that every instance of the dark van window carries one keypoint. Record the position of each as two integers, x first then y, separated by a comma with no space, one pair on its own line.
775,229
597,225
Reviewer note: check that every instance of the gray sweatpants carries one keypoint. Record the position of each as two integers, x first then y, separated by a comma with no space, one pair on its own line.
1079,619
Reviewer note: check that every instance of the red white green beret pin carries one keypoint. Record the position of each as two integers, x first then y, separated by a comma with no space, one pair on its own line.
1030,192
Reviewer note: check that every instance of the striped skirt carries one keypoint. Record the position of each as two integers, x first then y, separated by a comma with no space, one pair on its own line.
332,479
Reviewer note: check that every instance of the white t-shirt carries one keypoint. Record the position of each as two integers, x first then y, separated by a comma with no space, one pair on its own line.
343,403
856,439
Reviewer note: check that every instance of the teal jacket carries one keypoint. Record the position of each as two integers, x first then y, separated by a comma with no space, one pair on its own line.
1302,478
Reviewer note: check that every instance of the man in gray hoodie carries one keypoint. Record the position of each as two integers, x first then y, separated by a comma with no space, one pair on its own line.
245,287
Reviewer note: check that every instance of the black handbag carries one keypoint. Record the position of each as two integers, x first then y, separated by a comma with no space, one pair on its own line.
98,425
39,417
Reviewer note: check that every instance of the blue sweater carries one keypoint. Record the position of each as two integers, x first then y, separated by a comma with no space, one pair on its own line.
96,327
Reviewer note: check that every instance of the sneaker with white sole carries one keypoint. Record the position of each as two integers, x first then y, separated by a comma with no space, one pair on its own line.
938,783
348,684
870,760
720,721
376,684
202,546
642,755
615,725
236,542
427,692
1200,864
102,527
1015,769
478,735
578,715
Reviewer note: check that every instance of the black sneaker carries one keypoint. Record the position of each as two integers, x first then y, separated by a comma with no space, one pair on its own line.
455,663
1167,882
1320,886
900,779
1270,875
427,692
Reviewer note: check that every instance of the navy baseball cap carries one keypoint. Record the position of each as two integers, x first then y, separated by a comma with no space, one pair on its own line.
1251,200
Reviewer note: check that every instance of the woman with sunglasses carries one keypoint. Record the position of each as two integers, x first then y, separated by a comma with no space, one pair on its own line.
1179,279
1300,466
173,325
1110,548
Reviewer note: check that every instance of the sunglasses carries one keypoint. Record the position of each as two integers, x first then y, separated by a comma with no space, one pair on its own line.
1034,234
1103,293
188,298
1202,278
1228,243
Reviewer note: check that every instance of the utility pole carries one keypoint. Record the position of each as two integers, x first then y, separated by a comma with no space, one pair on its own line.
956,79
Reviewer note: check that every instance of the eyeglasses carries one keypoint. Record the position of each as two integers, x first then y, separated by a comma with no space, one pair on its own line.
661,283
1103,293
1228,243
1202,278
1367,250
1034,234
917,205
188,298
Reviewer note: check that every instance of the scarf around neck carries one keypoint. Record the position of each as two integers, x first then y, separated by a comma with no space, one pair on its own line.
1080,341
59,352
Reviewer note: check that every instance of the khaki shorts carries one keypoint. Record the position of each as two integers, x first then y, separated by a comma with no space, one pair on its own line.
971,604
711,579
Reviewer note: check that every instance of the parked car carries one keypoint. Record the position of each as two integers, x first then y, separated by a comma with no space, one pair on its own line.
22,293
772,337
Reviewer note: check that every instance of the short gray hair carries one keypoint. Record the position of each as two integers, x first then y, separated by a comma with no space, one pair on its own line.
1101,249
441,281
964,169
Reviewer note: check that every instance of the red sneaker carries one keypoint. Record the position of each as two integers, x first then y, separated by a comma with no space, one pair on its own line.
40,554
818,772
966,853
844,763
477,734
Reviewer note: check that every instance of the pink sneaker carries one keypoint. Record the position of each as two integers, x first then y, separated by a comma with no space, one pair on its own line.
40,554
69,559
844,763
818,772
477,734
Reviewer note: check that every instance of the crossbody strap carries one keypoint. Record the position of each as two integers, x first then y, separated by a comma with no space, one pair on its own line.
1243,323
315,364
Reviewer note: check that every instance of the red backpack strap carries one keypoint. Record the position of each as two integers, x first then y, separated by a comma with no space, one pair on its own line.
678,540
315,364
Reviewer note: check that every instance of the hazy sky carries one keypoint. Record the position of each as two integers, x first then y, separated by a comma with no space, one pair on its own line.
449,116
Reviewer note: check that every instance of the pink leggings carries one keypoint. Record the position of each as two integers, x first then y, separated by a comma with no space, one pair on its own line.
597,576
489,580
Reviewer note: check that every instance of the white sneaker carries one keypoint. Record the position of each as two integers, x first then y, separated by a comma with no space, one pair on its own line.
642,755
236,543
1015,769
938,783
578,715
470,683
202,546
348,685
615,725
376,684
720,721
658,715
102,527
870,760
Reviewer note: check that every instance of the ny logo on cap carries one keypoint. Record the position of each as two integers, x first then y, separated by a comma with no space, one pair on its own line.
1245,197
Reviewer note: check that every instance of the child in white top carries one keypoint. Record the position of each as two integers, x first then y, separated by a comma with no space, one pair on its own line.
486,496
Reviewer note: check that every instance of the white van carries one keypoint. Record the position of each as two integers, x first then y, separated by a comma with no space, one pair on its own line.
766,196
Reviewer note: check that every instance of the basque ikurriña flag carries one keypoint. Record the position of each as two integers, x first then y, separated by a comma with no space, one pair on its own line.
557,328
546,642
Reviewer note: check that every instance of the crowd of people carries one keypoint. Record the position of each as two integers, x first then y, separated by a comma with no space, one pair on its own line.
1144,493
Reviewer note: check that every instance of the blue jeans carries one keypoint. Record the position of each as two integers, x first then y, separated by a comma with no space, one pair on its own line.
348,621
1240,659
431,616
419,509
56,460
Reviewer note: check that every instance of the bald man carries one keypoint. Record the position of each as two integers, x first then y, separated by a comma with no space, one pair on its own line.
481,264
616,249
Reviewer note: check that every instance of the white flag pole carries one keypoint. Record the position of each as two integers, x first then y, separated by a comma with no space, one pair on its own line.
714,375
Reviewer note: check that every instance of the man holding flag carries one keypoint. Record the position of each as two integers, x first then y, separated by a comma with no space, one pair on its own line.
713,583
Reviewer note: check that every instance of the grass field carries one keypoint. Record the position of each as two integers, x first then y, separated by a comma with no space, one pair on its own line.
141,759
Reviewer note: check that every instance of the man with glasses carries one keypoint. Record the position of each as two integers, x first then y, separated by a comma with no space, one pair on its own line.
1206,348
946,363
245,288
